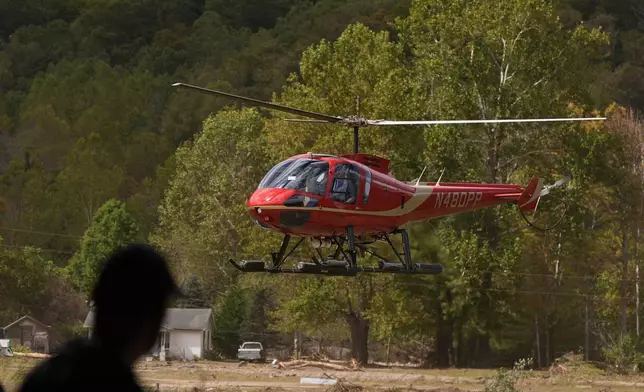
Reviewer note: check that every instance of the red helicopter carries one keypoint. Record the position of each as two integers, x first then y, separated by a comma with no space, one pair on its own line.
350,201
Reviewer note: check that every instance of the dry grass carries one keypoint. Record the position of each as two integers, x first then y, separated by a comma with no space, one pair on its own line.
569,374
13,370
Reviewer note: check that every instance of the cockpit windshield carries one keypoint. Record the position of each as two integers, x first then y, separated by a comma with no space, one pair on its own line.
306,175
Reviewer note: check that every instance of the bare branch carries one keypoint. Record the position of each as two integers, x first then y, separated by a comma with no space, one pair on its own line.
523,93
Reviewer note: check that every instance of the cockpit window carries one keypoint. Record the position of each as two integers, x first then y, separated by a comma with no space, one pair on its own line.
306,175
275,172
345,183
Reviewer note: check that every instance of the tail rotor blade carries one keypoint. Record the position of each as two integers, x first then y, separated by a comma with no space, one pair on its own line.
546,190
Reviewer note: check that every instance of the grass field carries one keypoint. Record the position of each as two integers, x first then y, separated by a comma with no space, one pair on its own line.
231,376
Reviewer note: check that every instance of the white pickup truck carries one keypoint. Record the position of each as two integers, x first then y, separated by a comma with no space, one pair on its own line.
251,351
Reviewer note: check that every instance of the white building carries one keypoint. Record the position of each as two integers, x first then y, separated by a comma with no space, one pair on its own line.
184,334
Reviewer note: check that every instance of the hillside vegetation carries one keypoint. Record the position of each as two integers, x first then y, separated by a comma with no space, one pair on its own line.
98,150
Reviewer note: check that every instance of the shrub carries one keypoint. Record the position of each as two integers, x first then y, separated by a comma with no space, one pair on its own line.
506,380
623,354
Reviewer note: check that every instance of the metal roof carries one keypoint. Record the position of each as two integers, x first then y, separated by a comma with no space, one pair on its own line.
175,318
24,318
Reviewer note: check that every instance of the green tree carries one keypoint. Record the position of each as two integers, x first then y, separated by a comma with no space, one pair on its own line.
112,228
33,285
256,321
118,29
193,295
203,219
501,60
24,187
497,61
87,113
89,179
251,14
229,319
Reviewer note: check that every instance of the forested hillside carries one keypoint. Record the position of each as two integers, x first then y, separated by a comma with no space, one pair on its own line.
97,149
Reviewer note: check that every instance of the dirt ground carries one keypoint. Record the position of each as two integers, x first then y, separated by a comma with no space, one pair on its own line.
233,376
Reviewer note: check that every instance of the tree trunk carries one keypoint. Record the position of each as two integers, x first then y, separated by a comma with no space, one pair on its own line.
587,340
388,346
23,181
491,227
547,330
624,277
459,349
443,343
359,338
637,285
472,351
296,345
444,335
538,346
483,356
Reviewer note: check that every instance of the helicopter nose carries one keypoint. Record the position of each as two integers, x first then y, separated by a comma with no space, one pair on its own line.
269,197
264,206
271,207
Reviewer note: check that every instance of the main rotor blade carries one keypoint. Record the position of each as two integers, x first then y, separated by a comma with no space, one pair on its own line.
269,105
437,122
306,121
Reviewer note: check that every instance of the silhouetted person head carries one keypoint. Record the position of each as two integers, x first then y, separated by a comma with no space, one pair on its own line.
130,299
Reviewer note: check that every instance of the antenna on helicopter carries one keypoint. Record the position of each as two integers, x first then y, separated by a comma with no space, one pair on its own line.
421,176
438,183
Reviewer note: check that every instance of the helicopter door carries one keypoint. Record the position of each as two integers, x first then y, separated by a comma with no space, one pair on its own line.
346,182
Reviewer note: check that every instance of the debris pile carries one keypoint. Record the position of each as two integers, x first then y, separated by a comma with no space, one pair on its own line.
299,363
343,386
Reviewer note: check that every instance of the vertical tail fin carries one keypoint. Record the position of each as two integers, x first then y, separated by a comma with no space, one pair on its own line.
529,199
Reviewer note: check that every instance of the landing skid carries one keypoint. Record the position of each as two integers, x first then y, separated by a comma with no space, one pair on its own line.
343,262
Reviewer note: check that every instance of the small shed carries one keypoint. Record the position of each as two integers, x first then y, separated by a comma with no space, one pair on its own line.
30,333
184,333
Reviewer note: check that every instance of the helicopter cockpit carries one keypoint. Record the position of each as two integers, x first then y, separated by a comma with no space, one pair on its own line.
302,174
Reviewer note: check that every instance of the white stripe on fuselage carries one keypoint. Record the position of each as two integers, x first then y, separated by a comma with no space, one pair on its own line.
417,199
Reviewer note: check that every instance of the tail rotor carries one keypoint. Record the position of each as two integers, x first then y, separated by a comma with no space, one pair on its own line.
531,196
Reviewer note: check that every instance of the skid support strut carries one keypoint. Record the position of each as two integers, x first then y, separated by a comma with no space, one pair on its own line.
353,263
343,261
277,257
406,248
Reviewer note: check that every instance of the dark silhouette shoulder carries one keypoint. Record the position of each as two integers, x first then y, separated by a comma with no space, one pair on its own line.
81,366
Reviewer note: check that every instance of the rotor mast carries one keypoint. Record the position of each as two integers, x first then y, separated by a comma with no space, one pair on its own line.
356,128
355,139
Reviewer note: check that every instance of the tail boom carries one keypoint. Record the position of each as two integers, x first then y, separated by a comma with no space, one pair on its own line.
451,199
